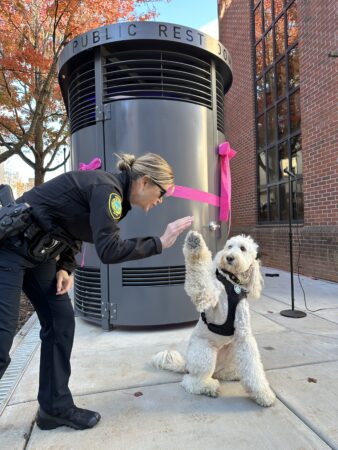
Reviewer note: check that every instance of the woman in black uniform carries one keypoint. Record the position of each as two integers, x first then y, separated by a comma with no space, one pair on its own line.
74,207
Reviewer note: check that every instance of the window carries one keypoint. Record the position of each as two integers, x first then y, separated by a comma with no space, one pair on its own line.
277,105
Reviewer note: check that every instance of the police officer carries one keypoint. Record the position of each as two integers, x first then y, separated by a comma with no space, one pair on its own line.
73,207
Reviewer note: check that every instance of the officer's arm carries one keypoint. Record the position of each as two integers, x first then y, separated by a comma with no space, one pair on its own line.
66,261
104,215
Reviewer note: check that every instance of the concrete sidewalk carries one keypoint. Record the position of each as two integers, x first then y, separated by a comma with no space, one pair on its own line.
146,409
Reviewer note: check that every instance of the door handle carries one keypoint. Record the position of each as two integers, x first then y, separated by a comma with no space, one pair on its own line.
213,226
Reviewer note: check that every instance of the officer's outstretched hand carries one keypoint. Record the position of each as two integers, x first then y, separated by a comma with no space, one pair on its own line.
174,229
64,282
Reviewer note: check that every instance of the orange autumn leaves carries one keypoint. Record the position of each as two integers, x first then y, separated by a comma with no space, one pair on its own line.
32,36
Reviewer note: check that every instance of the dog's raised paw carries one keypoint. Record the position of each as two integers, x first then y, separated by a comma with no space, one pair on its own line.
193,240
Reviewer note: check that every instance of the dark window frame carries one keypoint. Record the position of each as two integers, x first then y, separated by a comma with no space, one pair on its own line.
287,94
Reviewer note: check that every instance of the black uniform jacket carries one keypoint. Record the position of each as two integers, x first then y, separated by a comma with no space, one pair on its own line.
87,206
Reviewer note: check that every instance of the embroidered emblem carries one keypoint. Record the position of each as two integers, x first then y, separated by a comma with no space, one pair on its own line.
237,289
115,206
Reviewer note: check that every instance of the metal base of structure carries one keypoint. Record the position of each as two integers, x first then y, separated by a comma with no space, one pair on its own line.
293,313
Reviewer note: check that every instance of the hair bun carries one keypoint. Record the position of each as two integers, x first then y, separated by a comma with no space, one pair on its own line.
126,161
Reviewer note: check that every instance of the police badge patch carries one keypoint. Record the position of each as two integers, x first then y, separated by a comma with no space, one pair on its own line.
115,206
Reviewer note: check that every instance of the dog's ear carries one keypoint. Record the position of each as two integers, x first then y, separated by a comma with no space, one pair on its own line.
259,253
255,284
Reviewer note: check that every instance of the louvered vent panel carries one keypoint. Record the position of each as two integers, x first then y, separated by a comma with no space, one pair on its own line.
157,74
220,102
153,276
81,94
87,292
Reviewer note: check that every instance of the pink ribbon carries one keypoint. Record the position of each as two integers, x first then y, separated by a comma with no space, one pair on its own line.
226,153
83,254
224,201
96,163
195,195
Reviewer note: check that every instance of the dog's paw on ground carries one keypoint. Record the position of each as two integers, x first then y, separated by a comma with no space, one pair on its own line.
266,398
211,388
195,385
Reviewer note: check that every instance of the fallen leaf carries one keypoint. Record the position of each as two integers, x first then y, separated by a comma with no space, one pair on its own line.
312,380
138,394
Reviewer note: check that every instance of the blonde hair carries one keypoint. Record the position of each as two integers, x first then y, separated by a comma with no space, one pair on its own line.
150,164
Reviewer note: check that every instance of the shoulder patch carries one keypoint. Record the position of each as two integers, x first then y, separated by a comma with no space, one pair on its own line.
115,206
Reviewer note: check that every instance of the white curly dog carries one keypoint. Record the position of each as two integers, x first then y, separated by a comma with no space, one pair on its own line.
222,346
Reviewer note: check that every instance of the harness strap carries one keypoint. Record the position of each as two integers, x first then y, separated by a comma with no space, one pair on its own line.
224,275
234,297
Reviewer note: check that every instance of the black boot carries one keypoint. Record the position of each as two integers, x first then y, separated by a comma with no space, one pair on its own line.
73,417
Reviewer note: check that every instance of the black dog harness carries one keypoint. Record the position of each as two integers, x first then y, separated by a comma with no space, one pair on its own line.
235,295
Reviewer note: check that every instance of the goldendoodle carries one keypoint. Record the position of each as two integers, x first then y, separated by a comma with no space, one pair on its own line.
222,346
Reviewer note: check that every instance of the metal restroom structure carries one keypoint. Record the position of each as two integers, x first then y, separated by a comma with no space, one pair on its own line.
140,87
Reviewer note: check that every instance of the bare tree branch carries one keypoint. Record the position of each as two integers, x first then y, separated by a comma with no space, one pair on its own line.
55,140
60,165
27,160
7,154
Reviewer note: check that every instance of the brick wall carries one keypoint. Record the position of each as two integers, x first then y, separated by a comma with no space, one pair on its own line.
319,113
315,249
317,239
235,34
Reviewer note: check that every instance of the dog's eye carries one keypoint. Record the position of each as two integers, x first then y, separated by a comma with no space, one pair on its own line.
243,249
229,246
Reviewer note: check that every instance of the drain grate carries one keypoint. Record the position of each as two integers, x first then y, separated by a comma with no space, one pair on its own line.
20,360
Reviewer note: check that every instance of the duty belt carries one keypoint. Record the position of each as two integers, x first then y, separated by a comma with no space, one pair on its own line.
42,244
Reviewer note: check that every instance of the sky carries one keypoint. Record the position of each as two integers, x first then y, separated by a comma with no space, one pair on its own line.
190,13
199,14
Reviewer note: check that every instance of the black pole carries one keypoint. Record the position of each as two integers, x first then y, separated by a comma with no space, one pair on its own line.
291,312
290,245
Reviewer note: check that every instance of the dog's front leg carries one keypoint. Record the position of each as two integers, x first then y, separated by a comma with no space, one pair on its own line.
200,282
248,359
201,362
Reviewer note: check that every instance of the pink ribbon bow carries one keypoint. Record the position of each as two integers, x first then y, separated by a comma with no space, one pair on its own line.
226,153
224,201
96,163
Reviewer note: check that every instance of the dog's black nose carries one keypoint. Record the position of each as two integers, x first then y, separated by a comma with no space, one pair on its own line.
230,259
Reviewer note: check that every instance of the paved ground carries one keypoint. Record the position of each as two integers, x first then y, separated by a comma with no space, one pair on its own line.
300,357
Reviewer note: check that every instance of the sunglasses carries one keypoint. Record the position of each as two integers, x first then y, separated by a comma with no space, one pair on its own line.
163,192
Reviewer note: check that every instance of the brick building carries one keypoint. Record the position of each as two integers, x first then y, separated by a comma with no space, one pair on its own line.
281,112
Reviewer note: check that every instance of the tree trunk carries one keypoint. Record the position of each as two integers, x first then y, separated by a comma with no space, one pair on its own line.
39,169
39,174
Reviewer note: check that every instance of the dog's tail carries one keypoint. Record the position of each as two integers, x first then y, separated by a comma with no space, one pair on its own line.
169,360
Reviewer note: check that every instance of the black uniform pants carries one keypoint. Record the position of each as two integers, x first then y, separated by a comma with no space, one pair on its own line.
56,316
